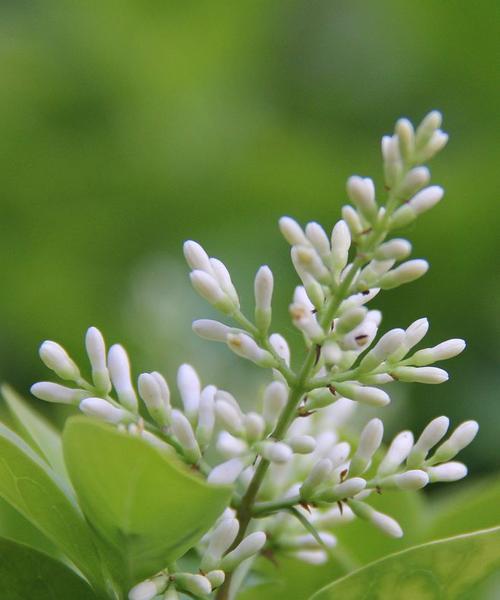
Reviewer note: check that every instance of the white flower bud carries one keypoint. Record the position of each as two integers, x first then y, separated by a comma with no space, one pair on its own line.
387,345
430,123
183,431
230,446
119,371
275,399
189,387
156,400
229,416
386,524
251,545
102,409
291,231
437,142
276,452
397,453
361,192
198,585
308,263
302,444
54,392
458,440
246,347
213,331
223,278
57,359
255,426
96,351
366,395
318,238
393,165
263,289
206,416
405,273
207,287
339,453
341,242
395,249
227,472
413,181
216,578
346,489
220,540
402,217
431,375
351,217
426,199
350,319
369,442
447,472
309,542
149,589
318,475
311,557
410,480
443,351
196,257
415,333
430,436
406,138
281,347
333,517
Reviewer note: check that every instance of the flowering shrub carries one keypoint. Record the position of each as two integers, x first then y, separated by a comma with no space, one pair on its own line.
146,497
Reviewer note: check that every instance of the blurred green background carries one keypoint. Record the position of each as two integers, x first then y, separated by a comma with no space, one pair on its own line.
126,127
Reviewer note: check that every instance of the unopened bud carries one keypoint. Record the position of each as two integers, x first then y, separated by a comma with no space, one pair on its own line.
227,472
397,453
413,181
149,589
196,257
318,475
189,387
430,123
216,578
102,409
208,287
369,442
275,398
206,416
318,238
405,273
386,524
183,431
437,142
396,249
447,472
387,345
430,436
255,426
263,288
281,347
366,395
406,137
96,350
341,242
229,416
292,231
230,446
155,398
57,359
361,192
211,330
426,199
302,444
198,585
243,345
220,540
54,392
409,480
458,440
443,351
431,375
251,545
276,452
350,320
346,489
352,219
119,371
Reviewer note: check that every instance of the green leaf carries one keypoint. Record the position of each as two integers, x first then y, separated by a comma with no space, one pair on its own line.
148,507
26,573
447,569
476,507
29,485
36,430
16,528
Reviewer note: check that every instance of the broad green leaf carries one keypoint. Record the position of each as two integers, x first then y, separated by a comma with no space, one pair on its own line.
476,507
17,528
149,508
26,573
36,430
29,485
443,570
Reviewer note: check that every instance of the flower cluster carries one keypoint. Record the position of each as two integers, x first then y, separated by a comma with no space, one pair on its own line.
292,472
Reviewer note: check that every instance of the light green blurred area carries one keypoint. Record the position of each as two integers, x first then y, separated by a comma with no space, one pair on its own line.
126,127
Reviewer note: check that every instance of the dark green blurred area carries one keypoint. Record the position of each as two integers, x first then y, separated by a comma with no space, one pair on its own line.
126,127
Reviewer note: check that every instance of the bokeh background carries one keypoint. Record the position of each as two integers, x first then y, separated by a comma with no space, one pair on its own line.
126,127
